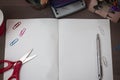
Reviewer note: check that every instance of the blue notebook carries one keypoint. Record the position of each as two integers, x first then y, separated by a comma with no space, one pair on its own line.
61,3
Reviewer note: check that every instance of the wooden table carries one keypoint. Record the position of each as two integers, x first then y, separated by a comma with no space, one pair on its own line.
20,9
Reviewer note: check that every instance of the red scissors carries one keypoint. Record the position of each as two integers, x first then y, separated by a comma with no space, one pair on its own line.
16,66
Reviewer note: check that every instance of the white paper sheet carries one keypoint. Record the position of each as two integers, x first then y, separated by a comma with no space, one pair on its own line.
65,48
77,49
42,36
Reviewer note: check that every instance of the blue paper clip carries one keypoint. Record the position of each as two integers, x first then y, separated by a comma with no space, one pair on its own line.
14,41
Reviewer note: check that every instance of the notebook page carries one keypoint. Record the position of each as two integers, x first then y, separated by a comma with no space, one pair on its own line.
42,36
77,49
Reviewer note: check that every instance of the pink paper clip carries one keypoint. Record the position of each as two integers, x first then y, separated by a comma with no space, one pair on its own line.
16,25
22,32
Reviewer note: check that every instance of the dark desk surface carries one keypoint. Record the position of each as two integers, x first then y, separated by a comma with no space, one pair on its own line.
20,9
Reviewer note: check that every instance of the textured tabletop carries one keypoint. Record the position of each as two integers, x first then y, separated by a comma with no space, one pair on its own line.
20,9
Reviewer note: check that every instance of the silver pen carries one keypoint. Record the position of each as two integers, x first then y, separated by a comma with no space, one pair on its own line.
99,62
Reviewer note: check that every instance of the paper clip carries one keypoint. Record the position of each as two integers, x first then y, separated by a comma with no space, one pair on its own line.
105,61
22,32
101,30
14,41
16,25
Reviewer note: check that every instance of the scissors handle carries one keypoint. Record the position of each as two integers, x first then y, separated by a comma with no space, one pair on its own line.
15,74
10,64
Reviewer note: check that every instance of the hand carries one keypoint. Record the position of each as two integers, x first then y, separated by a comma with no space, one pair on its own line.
43,2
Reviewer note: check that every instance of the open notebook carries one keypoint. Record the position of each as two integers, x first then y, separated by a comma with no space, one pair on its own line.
66,48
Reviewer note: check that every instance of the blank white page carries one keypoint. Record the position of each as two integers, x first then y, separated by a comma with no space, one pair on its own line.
42,36
77,49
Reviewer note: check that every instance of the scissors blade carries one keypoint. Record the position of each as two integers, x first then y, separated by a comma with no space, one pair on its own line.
29,58
26,55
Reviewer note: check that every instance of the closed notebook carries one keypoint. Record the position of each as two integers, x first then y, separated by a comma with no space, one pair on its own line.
66,48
